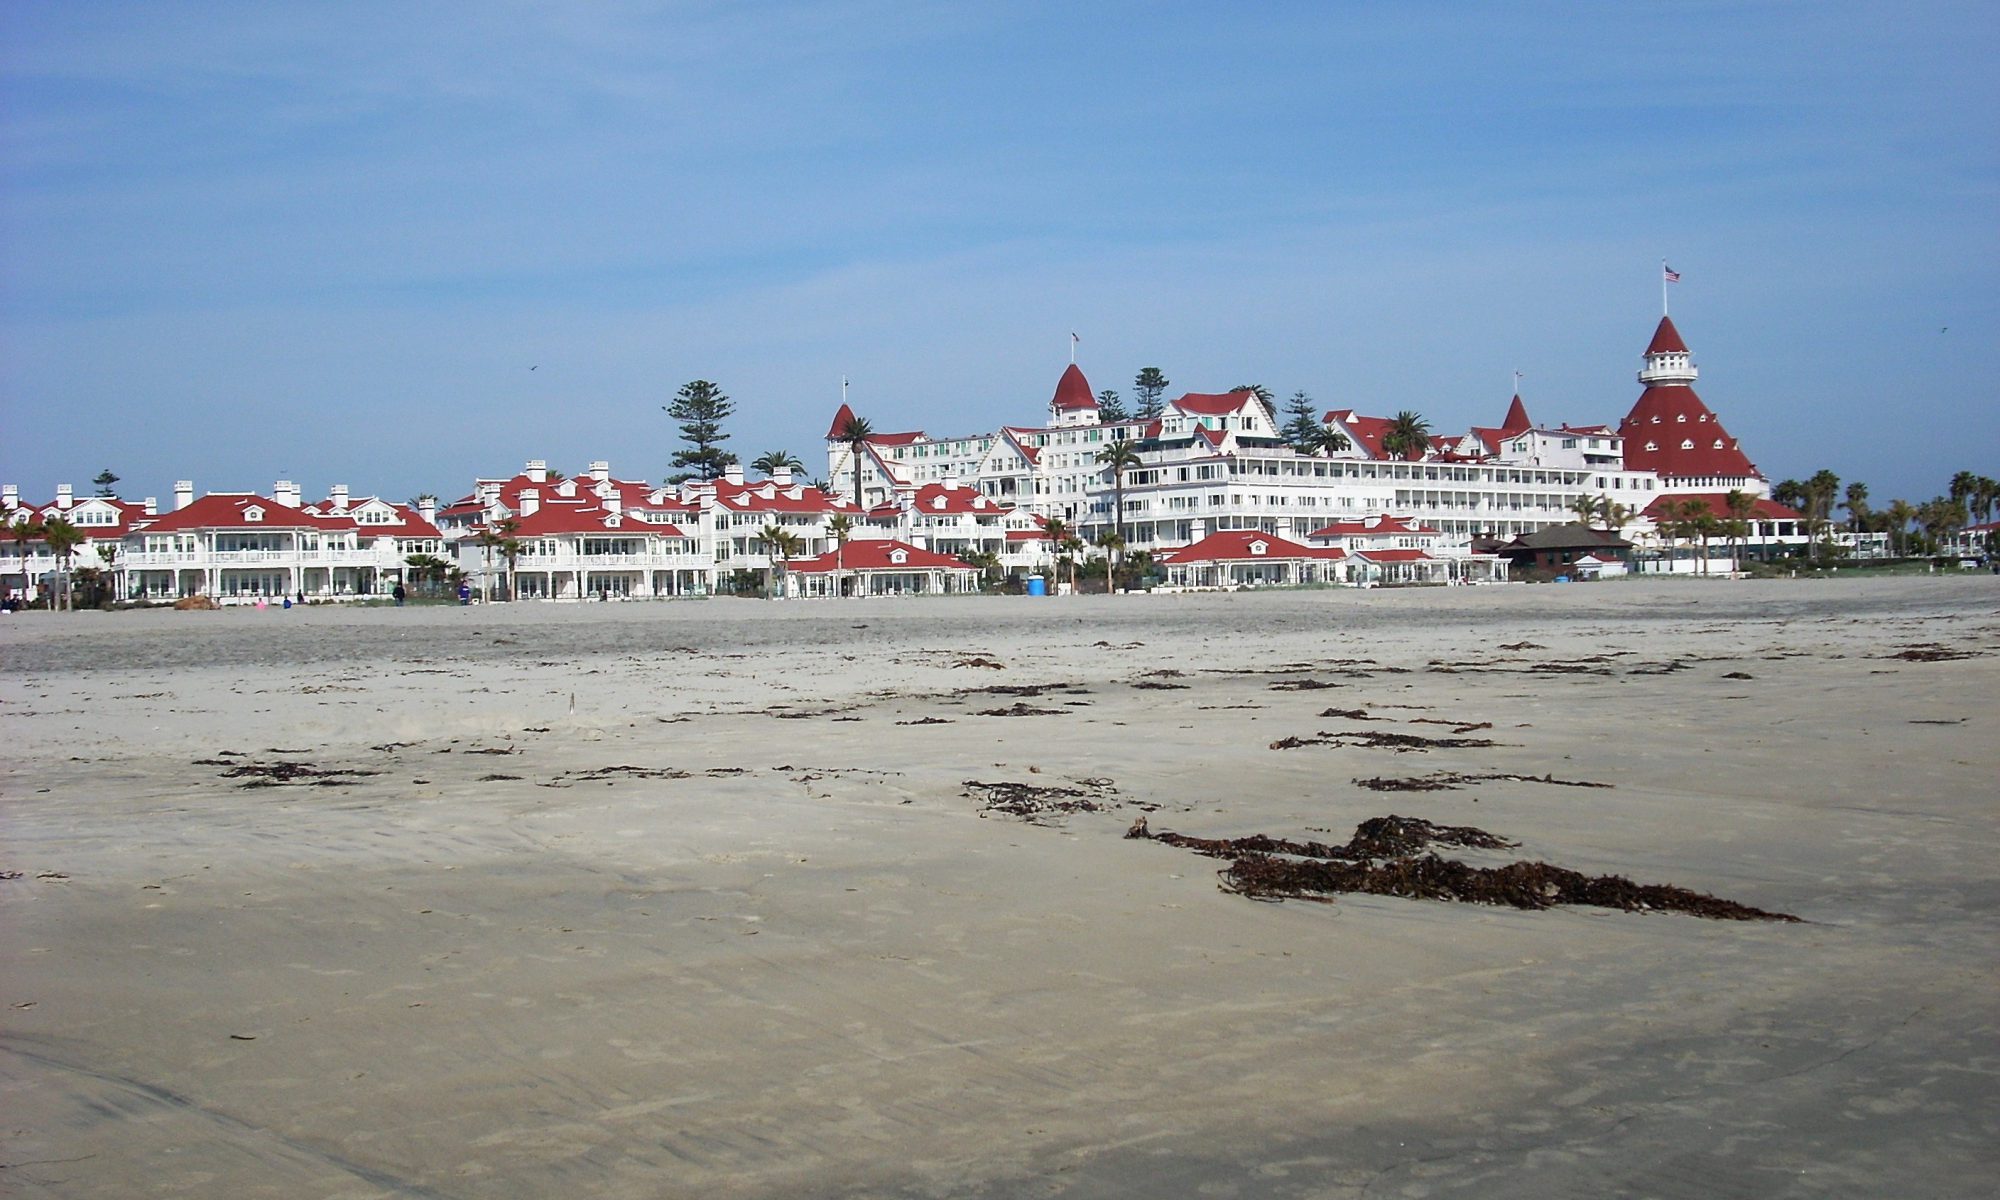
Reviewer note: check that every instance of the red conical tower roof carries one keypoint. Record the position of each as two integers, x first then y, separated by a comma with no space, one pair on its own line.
1667,339
1072,391
1517,419
838,430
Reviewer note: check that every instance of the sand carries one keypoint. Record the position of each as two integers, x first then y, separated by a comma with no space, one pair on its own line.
790,955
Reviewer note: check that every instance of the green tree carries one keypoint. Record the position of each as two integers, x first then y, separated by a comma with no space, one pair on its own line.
854,433
841,526
1857,506
1113,545
1740,505
427,567
510,546
1111,409
104,481
1963,485
1409,436
1120,456
63,538
1256,389
23,531
1822,490
701,408
1900,513
781,544
1151,388
107,553
1587,509
1331,441
773,461
1302,430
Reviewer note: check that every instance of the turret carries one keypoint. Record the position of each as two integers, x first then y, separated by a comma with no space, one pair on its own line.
1668,363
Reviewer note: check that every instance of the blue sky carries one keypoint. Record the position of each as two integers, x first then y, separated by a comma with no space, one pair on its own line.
327,242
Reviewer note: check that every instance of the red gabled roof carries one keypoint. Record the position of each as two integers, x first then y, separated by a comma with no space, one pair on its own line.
1667,415
935,499
1666,339
1383,525
1232,545
1215,404
765,496
225,510
1765,509
130,516
878,554
1072,392
1516,420
1367,432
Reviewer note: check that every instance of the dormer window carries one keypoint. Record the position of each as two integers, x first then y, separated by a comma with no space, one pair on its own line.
1687,443
1259,547
1680,418
253,513
899,557
1718,443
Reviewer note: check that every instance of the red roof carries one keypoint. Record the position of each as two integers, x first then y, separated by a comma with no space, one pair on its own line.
896,439
1765,509
229,510
936,499
129,515
1072,392
1215,404
1666,417
1367,432
1234,545
1666,339
841,416
1517,419
1377,526
766,496
578,516
880,554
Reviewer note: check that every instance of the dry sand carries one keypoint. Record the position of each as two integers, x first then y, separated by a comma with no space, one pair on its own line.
793,957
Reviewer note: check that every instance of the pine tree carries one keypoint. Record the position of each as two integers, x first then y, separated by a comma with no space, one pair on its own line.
104,481
701,408
1151,386
1111,409
1302,431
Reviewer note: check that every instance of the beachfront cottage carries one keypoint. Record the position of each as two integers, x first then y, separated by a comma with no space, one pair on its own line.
1558,549
240,547
880,567
1238,558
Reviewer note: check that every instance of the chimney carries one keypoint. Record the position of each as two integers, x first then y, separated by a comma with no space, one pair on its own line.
183,493
951,479
600,470
286,493
10,496
614,503
531,501
152,506
733,473
427,507
65,496
337,497
489,494
538,471
782,477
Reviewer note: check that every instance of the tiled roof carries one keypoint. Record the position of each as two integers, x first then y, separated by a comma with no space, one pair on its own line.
880,554
1665,417
1072,392
1666,339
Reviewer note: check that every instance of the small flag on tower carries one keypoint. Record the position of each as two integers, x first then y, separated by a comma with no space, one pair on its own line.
1672,276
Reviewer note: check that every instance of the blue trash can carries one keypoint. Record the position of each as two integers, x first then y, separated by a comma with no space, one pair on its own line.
1037,586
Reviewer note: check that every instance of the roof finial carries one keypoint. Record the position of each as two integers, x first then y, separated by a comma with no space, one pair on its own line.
1072,348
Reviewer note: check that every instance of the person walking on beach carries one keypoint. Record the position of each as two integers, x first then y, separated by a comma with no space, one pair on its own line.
399,594
464,594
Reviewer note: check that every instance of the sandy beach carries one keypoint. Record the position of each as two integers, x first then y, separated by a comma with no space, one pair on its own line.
723,898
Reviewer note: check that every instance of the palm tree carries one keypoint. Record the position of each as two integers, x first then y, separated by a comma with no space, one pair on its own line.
1587,508
486,539
1072,548
841,526
1901,513
509,544
775,461
1821,491
1857,506
1120,456
63,539
855,432
1963,485
1702,525
28,529
1740,505
1330,441
1616,516
1409,436
107,553
429,566
781,543
1113,545
1058,534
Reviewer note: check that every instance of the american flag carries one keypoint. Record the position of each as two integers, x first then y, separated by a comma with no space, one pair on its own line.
1672,275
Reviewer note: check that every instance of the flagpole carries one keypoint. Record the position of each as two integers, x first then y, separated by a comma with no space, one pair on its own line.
1663,287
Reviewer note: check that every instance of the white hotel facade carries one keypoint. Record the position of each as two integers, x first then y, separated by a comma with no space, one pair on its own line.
1209,464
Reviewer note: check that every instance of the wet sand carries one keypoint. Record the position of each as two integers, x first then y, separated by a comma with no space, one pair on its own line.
699,899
